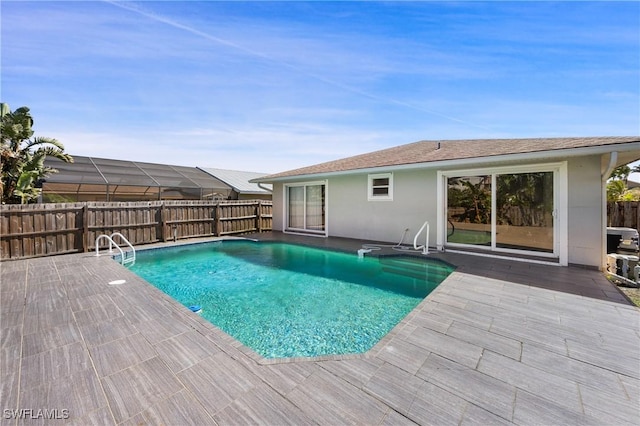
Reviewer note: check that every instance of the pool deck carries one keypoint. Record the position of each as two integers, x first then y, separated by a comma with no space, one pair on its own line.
498,342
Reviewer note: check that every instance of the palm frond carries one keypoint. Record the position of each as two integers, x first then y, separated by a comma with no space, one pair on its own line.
55,152
41,140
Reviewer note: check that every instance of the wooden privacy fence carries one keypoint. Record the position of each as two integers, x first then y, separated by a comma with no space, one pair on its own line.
47,229
624,214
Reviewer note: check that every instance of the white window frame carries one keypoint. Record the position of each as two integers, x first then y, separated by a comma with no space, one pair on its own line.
370,187
560,202
285,210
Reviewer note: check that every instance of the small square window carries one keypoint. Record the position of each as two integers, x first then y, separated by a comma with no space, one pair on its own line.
380,187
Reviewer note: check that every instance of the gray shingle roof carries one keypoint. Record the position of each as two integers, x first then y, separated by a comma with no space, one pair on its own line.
445,150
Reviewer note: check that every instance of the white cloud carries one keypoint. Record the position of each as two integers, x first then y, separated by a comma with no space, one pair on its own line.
276,86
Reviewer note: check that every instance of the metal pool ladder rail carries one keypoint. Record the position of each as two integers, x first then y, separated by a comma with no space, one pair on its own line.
126,257
425,247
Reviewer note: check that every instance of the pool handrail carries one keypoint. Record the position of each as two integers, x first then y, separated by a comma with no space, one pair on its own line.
123,258
425,247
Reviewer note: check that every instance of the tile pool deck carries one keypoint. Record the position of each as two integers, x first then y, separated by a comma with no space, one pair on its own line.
498,342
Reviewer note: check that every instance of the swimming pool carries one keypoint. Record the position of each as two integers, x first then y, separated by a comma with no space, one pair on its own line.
284,300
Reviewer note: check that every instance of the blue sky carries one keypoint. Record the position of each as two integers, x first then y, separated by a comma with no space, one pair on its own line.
272,86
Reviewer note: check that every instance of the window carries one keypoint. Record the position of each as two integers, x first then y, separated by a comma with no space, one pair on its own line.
306,208
380,187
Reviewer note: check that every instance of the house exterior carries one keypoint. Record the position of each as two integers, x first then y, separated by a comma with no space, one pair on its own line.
539,199
239,181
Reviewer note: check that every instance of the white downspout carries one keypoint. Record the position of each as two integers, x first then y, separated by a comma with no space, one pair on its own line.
613,160
261,186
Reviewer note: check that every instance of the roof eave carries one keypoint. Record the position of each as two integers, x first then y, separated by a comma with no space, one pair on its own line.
466,162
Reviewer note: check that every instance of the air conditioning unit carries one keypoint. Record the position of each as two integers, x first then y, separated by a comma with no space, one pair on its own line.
622,240
623,261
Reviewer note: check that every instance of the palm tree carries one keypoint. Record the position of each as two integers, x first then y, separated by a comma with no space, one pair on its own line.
616,189
23,156
617,186
622,173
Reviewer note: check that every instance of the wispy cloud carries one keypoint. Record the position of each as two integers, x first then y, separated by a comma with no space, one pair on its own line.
262,55
290,84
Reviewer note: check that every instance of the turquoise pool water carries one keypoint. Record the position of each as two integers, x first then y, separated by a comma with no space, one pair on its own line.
286,300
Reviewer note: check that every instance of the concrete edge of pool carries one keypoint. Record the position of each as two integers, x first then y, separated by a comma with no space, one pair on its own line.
257,357
497,342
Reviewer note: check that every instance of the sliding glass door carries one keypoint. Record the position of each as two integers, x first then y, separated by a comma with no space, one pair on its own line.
503,209
296,207
524,211
306,207
469,210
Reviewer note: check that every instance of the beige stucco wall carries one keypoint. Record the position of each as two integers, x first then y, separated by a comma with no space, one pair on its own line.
278,207
351,215
414,202
254,197
585,211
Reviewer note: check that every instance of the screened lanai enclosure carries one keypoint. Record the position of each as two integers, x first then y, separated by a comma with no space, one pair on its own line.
99,179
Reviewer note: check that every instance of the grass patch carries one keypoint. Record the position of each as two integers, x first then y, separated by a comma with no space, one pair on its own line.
632,293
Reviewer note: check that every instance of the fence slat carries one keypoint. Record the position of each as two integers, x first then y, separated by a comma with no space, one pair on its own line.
624,214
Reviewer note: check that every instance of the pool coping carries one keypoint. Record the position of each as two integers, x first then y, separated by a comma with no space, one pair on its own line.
251,353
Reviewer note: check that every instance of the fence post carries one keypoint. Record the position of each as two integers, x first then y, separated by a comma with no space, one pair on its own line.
259,216
217,225
163,223
85,227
